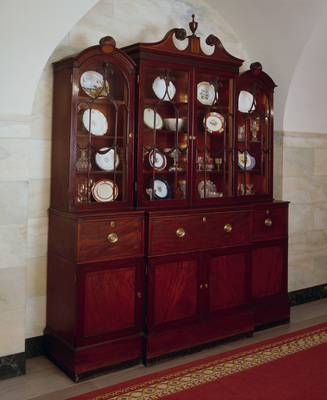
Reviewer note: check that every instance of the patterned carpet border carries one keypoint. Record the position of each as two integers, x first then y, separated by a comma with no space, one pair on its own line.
186,378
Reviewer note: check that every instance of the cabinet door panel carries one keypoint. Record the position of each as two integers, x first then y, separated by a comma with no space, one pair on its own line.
112,300
227,281
173,292
267,273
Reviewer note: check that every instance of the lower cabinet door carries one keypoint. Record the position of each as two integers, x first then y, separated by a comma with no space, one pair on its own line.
110,300
226,283
173,292
268,271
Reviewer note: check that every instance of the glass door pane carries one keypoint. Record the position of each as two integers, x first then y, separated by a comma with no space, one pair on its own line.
254,141
102,135
165,142
213,136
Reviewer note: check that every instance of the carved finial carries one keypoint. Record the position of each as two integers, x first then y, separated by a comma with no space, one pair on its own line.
107,44
256,68
193,25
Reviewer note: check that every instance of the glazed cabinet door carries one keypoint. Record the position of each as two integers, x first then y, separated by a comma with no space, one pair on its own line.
173,292
254,130
93,129
213,136
110,300
164,146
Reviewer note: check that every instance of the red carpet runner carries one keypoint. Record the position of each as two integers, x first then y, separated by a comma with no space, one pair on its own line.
293,366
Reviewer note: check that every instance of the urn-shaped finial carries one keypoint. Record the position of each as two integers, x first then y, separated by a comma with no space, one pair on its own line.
193,25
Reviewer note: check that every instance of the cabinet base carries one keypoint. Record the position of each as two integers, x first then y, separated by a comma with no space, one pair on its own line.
159,346
274,313
89,362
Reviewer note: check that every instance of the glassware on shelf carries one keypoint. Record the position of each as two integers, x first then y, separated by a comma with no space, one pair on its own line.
182,185
210,164
241,133
249,188
218,161
84,191
254,127
83,162
200,162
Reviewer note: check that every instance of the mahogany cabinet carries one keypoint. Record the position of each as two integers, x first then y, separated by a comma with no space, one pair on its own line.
164,235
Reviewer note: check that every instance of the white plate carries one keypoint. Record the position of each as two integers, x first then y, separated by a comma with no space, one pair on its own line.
206,93
149,116
214,122
245,160
245,102
104,190
106,161
99,123
161,188
160,161
92,84
159,88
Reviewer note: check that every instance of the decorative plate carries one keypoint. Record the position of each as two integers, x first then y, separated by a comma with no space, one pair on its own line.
99,123
245,160
215,122
149,116
160,161
105,161
92,84
159,87
206,93
104,190
245,102
161,188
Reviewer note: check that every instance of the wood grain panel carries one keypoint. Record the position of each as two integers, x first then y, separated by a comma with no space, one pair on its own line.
175,295
94,243
205,231
267,271
109,300
226,281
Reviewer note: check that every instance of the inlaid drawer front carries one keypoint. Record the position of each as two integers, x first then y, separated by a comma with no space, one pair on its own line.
105,239
269,223
179,233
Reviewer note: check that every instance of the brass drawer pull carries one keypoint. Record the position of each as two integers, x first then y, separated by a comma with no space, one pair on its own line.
228,228
180,232
113,238
268,222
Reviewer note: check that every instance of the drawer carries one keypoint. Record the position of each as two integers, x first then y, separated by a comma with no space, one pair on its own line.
180,233
110,238
270,223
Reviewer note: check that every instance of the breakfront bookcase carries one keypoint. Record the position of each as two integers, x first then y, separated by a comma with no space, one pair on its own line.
164,236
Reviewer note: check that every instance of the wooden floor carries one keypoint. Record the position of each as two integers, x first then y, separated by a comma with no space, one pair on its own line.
44,381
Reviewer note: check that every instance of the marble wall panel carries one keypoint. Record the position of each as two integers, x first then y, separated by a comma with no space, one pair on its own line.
320,216
13,245
12,332
37,237
38,198
36,274
40,159
301,218
35,316
298,161
14,159
13,202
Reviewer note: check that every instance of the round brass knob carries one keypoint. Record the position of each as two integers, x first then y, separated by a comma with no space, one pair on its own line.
268,222
180,232
228,228
113,238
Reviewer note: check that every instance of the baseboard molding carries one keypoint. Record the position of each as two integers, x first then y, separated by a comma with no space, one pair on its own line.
307,295
15,364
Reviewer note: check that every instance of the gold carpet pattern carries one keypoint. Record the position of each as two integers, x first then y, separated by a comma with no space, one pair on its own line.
183,379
